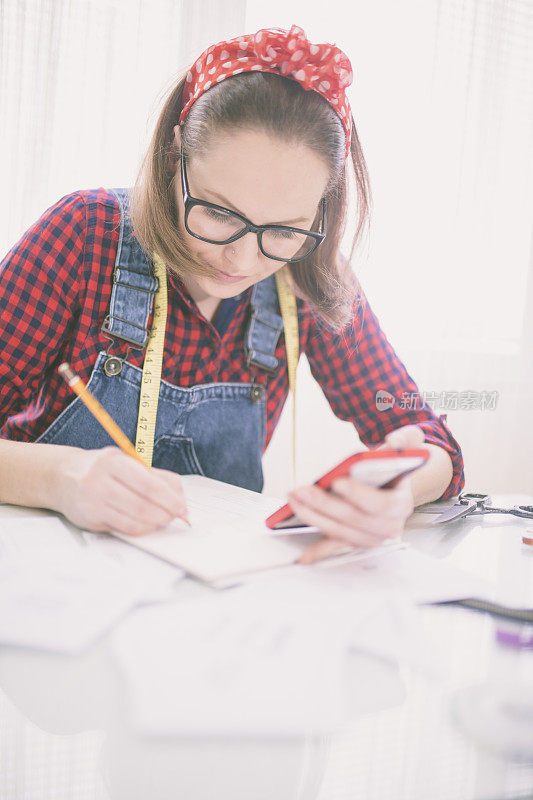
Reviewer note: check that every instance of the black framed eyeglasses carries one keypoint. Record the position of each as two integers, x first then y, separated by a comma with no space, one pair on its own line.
218,225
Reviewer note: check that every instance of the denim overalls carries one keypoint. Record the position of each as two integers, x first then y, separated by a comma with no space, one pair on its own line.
215,429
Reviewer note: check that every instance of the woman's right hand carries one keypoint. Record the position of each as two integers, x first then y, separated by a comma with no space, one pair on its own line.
105,489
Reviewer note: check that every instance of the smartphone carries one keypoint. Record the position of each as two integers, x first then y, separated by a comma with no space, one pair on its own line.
379,468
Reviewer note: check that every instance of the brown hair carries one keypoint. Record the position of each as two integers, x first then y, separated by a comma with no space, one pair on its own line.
282,108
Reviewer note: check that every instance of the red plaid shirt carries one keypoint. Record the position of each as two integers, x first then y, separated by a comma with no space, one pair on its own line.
53,300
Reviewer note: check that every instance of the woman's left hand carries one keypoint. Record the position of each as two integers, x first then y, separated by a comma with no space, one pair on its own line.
354,513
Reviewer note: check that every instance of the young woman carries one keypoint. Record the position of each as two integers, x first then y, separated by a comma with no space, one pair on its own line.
247,172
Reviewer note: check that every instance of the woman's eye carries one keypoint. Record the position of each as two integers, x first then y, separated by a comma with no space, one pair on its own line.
280,234
218,215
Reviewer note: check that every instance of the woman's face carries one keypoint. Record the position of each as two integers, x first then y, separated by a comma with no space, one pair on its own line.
262,178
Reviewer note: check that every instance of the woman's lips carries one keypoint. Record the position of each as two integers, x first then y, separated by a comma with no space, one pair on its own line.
224,277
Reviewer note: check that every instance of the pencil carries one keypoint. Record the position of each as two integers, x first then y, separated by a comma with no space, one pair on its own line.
98,411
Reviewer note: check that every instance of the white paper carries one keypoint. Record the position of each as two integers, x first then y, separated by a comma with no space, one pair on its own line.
59,594
26,537
154,578
62,605
265,658
422,578
244,662
398,633
228,535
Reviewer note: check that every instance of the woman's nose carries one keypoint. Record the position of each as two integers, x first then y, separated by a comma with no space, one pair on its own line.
246,250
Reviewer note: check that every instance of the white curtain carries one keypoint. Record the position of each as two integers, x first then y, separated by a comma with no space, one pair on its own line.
81,84
443,102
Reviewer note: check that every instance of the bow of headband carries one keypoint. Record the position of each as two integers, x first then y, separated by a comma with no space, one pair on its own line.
322,68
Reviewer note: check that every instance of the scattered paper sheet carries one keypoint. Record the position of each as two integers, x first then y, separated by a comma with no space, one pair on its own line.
157,577
398,633
27,537
63,605
422,578
58,594
267,658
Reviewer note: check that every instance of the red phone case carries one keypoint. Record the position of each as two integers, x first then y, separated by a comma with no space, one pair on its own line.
341,470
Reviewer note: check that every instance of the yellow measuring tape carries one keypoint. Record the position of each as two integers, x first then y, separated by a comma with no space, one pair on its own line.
287,304
153,360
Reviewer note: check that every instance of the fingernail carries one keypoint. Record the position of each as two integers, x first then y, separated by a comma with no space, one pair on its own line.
339,483
184,516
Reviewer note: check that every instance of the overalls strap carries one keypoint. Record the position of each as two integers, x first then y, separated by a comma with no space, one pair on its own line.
134,284
264,326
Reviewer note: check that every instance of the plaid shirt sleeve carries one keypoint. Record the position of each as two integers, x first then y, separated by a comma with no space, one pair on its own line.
366,383
39,290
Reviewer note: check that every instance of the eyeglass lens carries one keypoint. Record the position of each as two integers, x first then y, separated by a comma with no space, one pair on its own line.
220,226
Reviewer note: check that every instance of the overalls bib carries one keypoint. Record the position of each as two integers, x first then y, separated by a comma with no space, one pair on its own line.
214,429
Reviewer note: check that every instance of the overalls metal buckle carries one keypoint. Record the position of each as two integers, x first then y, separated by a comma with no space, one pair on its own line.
105,329
113,364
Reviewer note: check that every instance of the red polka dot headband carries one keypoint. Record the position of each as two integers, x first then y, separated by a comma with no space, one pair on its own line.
322,68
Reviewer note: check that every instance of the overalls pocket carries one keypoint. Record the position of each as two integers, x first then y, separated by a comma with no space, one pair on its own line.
176,453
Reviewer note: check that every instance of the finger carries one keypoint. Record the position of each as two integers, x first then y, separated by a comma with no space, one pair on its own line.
338,508
175,485
405,489
388,505
148,483
325,548
370,499
126,501
118,519
333,528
